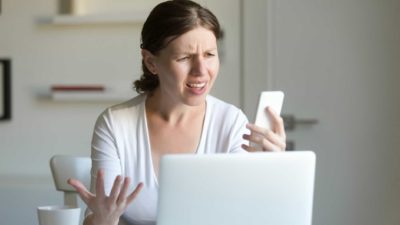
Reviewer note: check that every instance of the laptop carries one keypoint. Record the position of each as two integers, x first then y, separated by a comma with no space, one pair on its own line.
237,189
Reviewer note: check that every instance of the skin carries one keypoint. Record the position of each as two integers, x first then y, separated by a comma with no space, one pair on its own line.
187,69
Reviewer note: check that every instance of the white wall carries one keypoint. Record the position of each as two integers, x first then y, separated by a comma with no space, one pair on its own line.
43,55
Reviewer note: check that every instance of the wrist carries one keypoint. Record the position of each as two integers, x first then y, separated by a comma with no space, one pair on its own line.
92,219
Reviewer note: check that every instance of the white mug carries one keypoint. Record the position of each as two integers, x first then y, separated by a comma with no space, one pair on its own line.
58,215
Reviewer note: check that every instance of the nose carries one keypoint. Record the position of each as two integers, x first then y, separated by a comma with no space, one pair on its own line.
199,66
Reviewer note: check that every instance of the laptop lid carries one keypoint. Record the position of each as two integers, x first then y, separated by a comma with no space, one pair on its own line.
237,189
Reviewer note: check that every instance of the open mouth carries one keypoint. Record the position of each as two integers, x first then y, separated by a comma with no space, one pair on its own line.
196,85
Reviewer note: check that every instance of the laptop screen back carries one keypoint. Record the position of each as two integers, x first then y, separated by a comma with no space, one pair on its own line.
237,189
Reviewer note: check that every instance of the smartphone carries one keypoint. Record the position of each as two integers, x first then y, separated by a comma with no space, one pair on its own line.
273,99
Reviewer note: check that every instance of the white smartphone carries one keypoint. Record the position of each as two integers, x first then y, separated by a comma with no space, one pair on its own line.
273,99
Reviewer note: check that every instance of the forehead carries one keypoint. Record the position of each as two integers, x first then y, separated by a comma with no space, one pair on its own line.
199,37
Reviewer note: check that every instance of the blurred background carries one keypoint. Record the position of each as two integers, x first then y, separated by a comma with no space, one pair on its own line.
336,60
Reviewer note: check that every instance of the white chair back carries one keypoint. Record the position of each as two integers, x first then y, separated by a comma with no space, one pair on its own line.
64,167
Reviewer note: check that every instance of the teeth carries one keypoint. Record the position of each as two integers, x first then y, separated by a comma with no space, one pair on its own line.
196,85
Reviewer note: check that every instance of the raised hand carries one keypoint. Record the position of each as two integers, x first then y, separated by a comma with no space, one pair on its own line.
106,209
269,140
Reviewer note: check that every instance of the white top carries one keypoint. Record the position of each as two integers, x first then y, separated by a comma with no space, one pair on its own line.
121,146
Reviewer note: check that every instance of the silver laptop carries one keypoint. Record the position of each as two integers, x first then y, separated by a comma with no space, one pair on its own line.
237,189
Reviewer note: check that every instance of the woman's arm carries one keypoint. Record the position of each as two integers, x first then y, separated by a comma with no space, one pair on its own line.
108,196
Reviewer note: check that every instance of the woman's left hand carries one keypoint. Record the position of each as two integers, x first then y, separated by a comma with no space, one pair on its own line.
273,140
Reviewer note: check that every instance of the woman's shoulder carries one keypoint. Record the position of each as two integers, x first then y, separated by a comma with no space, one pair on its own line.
218,105
128,108
222,109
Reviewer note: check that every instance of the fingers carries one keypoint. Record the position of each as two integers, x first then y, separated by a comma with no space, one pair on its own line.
277,123
124,190
133,195
267,139
273,146
116,188
81,189
269,142
258,134
100,184
257,130
119,191
249,148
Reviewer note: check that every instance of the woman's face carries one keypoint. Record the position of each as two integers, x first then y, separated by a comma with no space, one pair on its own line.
188,66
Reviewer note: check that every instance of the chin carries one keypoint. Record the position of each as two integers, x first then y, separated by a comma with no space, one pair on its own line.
195,101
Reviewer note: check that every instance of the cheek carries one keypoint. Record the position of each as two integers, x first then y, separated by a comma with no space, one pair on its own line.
174,74
214,68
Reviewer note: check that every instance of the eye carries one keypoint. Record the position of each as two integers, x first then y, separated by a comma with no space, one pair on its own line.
183,58
210,54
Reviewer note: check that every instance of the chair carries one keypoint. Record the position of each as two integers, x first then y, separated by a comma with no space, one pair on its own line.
64,167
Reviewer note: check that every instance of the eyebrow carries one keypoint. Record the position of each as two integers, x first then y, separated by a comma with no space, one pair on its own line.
191,53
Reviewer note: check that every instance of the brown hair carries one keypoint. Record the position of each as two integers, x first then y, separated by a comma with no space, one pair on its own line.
166,22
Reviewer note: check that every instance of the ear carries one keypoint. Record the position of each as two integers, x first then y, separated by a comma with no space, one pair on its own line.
150,61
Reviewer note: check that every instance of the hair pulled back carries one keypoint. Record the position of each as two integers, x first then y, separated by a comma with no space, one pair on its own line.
167,21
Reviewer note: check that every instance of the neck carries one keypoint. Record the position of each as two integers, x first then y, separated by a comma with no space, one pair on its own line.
170,111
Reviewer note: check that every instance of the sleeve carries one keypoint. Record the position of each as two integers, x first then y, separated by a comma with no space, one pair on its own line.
236,133
104,153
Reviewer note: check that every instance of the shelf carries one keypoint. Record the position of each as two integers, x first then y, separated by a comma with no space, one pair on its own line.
84,93
93,19
89,96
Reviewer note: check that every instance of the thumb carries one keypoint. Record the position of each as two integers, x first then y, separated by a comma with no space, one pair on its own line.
81,189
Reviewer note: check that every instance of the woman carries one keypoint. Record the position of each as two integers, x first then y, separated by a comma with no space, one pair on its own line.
172,114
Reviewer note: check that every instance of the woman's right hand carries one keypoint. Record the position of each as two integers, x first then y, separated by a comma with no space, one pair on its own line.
106,209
